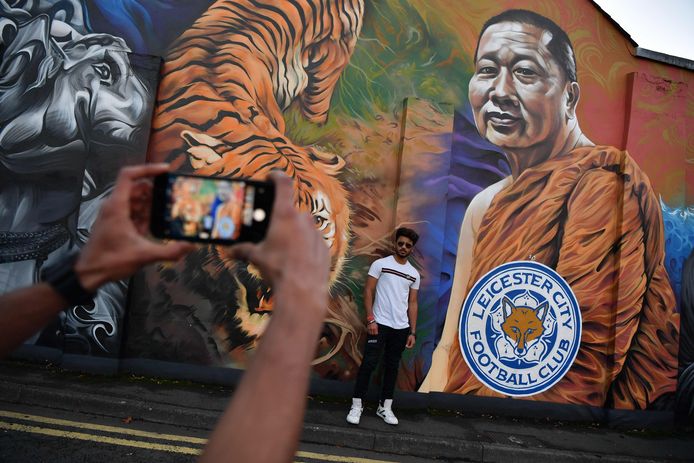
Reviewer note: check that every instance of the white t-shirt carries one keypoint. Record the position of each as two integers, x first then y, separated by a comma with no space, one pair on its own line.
392,291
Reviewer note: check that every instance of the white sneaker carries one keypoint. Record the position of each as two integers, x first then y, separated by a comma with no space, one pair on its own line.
354,415
385,411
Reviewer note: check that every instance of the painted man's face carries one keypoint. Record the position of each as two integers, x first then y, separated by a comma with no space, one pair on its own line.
518,91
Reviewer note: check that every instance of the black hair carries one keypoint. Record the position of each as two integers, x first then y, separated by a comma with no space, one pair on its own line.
559,46
407,233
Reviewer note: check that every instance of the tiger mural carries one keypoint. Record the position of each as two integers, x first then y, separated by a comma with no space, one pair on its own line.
225,83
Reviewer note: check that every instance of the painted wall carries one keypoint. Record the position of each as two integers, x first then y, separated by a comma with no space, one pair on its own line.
369,106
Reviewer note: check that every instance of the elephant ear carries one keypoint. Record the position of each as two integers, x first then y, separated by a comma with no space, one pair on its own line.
26,60
8,32
71,12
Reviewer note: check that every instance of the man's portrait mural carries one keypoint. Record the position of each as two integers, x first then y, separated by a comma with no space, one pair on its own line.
546,167
556,208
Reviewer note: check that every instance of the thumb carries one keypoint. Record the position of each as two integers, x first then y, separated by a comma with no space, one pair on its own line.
253,253
246,252
170,251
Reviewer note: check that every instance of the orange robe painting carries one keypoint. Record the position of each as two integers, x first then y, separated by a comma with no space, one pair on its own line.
593,217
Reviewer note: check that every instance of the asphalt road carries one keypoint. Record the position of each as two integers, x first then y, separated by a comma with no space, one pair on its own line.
36,434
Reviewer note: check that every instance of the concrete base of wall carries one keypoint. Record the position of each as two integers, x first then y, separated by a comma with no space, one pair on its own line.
471,405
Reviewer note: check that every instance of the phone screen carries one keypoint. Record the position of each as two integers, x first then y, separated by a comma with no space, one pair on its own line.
213,209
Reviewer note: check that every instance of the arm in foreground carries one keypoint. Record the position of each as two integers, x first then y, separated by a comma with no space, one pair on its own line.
116,249
263,421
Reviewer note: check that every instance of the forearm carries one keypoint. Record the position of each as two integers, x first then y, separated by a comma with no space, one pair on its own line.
25,311
412,310
272,394
368,303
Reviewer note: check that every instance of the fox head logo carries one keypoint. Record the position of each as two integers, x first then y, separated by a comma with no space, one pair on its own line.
520,328
522,325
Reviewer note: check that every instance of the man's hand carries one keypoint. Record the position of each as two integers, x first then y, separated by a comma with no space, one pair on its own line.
295,261
372,329
117,246
293,257
411,340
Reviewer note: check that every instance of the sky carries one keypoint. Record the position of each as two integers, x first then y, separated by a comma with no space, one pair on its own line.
666,26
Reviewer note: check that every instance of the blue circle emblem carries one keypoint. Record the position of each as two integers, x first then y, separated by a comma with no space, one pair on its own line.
520,328
226,227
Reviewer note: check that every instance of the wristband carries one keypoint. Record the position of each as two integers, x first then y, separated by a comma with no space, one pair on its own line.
413,334
62,277
370,322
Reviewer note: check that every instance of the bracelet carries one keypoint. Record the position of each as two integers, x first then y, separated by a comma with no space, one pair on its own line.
413,334
369,322
63,279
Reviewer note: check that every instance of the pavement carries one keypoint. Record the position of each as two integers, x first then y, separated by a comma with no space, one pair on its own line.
436,434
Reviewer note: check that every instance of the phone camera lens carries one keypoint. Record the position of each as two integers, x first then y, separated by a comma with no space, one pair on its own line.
259,215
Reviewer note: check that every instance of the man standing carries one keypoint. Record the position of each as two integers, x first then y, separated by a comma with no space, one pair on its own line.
391,320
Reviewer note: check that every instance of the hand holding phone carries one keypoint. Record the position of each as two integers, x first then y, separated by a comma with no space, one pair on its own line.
293,257
117,245
210,210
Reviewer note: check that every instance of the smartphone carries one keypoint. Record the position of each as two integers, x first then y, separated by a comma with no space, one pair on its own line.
210,210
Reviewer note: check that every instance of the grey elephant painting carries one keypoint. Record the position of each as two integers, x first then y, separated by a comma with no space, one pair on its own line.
73,110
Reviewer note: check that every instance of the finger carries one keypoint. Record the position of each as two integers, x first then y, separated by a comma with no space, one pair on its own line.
171,251
320,245
284,194
128,175
243,251
309,221
179,249
141,197
141,222
146,170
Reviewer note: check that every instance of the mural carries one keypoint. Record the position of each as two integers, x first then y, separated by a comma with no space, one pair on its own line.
219,112
556,208
685,387
528,142
72,111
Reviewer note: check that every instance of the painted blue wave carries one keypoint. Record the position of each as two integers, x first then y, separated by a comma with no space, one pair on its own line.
679,242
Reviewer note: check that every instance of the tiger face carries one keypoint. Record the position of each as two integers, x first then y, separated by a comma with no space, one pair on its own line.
317,192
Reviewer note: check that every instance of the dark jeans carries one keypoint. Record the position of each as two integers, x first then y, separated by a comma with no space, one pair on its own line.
393,342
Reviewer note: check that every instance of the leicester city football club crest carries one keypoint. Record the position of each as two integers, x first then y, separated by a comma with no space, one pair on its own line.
520,328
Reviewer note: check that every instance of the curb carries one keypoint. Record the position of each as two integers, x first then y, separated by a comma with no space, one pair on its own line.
148,410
